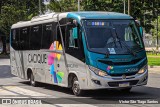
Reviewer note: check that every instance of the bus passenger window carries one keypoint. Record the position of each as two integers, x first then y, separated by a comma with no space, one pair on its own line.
58,38
15,38
24,38
47,36
35,37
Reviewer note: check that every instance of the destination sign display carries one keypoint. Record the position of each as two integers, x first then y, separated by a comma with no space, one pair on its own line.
97,23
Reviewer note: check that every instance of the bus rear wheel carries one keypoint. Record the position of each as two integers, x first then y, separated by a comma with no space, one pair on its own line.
76,87
32,81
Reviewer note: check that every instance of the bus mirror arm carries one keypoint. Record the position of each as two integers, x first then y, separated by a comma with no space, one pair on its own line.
61,36
68,23
75,23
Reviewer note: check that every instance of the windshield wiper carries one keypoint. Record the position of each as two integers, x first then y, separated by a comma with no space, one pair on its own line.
123,43
114,39
116,36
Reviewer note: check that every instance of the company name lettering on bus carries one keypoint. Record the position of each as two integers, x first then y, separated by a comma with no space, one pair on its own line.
37,58
72,65
131,70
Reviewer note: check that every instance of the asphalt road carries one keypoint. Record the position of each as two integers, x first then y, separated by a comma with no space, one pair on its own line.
14,87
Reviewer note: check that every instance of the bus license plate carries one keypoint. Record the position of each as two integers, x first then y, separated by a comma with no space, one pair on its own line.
124,84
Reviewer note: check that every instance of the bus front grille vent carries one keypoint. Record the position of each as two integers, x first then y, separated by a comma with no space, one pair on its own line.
116,84
120,63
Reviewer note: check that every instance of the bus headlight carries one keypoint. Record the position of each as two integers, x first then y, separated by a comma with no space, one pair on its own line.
98,71
142,70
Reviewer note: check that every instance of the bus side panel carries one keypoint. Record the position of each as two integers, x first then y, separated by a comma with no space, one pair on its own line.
45,68
13,62
61,73
80,69
17,67
37,61
48,76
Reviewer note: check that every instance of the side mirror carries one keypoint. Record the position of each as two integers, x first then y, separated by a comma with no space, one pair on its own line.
75,33
75,23
141,31
139,27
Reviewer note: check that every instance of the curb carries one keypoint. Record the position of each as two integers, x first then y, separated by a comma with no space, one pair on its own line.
154,69
152,66
4,56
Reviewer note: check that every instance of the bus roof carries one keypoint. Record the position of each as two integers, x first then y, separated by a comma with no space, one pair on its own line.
52,17
98,15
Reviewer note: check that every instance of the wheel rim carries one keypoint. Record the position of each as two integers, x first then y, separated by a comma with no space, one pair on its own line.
76,88
32,82
32,79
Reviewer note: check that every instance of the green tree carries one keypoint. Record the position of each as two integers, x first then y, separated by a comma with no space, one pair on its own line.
63,5
143,10
154,30
98,5
13,11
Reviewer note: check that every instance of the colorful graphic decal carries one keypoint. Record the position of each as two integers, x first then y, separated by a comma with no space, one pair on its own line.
110,68
57,76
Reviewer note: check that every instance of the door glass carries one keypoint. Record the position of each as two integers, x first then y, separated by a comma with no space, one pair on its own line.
73,36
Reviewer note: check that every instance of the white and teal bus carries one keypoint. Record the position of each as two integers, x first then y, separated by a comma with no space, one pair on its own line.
80,50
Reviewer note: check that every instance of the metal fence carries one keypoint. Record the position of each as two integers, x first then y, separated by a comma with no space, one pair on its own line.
151,42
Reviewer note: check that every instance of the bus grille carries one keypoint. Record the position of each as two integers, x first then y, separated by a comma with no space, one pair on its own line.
120,63
116,84
120,74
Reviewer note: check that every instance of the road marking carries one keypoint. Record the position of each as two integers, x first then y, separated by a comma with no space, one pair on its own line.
1,88
6,92
56,105
14,90
74,105
17,92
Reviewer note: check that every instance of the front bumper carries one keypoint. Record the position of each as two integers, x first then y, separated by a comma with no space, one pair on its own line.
97,82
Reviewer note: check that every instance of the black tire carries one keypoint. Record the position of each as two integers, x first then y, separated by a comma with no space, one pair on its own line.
32,81
126,90
76,88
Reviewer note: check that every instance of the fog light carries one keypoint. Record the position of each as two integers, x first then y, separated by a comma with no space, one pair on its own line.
145,78
96,82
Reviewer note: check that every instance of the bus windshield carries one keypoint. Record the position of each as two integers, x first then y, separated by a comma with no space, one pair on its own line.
113,36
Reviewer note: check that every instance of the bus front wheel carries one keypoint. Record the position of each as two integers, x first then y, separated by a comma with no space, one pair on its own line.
76,88
32,81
